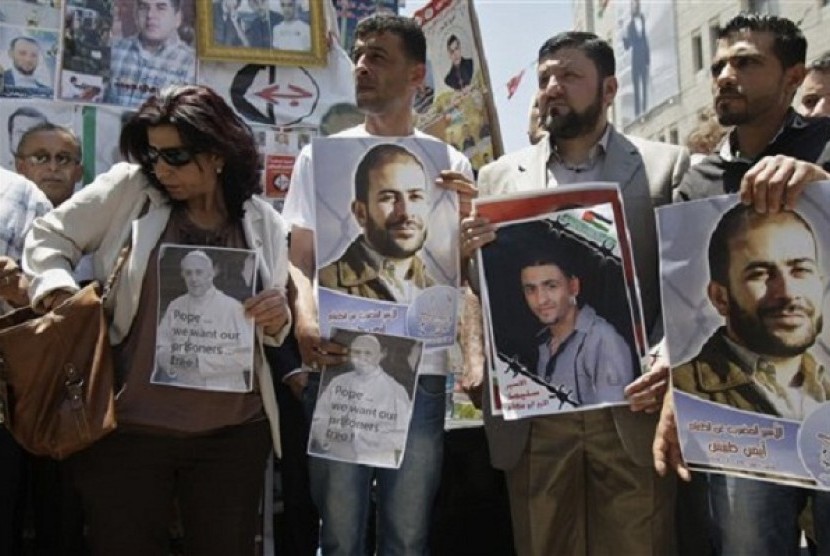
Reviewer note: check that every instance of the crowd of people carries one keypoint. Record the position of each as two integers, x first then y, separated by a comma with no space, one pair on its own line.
604,481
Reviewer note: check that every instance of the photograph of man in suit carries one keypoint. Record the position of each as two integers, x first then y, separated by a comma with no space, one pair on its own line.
461,71
636,40
227,26
605,453
579,352
391,204
20,80
766,281
259,23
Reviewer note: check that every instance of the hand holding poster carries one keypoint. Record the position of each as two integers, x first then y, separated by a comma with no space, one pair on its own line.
383,259
364,406
560,301
748,369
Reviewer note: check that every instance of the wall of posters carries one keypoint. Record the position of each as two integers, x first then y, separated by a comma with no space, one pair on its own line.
557,288
743,300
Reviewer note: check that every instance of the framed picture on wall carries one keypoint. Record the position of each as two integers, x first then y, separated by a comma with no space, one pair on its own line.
273,32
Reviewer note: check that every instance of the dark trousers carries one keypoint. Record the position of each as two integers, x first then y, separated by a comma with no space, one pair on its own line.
298,534
128,482
11,494
56,508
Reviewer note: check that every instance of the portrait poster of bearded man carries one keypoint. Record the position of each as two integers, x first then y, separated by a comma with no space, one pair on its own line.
743,300
386,253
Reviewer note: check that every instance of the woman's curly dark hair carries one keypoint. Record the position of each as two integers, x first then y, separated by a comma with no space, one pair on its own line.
205,123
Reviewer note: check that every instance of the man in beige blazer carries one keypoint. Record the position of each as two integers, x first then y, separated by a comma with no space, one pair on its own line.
582,483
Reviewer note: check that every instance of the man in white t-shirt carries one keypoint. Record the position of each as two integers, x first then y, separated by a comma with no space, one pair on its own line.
390,65
292,33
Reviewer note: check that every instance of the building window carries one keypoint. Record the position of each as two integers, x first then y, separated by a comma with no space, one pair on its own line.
763,6
714,29
674,137
697,52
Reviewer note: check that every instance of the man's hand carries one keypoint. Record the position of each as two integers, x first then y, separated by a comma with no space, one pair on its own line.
53,300
476,231
471,339
461,184
775,182
647,392
269,309
296,383
315,351
666,446
13,283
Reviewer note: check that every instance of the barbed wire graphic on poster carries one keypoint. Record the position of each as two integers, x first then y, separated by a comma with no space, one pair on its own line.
556,287
383,259
204,341
743,299
364,406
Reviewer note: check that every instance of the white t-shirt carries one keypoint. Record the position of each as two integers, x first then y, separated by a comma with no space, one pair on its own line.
291,35
298,210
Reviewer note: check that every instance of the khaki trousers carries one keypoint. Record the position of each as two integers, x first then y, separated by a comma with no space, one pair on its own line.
576,491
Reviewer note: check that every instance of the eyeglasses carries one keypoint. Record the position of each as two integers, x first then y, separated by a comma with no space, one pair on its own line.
174,156
42,159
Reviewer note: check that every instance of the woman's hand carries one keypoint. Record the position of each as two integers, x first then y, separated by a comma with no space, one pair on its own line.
269,309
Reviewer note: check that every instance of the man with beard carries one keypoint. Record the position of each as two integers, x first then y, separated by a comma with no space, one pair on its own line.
20,80
390,64
582,483
391,204
768,158
765,280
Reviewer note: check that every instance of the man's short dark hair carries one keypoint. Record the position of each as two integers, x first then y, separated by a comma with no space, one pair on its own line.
732,223
46,127
549,257
376,157
15,40
27,112
175,3
789,44
598,50
452,39
410,33
821,64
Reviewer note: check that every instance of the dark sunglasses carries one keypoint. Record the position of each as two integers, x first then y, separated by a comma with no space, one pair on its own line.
174,156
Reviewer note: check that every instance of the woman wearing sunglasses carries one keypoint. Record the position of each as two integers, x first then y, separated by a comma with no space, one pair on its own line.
191,186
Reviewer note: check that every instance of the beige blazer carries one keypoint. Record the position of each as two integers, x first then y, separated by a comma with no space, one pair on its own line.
646,172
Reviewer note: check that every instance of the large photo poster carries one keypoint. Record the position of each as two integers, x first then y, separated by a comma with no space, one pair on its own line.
455,102
28,50
364,406
204,339
384,260
560,300
743,301
645,46
124,51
